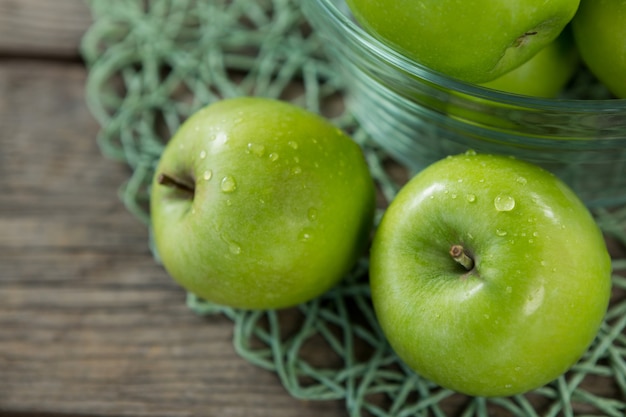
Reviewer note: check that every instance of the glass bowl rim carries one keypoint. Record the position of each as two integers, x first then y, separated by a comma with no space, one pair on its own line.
373,46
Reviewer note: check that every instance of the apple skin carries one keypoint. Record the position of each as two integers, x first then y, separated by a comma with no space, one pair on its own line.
475,41
600,32
532,303
546,73
282,208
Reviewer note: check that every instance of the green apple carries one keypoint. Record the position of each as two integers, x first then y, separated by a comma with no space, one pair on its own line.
600,33
488,275
475,41
259,204
546,73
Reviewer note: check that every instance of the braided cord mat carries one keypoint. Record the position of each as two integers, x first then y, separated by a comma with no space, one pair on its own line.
153,63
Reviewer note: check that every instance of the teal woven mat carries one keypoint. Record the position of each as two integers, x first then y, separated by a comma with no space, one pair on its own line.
152,63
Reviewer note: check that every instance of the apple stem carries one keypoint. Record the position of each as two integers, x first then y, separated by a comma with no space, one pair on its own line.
169,181
458,254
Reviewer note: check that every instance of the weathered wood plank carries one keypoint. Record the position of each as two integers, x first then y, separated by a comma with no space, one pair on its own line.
89,324
42,27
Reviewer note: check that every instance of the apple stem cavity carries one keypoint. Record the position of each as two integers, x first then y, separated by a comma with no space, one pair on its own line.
524,38
169,181
457,252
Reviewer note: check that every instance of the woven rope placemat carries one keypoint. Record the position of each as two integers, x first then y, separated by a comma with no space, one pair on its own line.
152,64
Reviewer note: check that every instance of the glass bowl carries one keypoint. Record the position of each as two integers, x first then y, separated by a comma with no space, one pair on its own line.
419,116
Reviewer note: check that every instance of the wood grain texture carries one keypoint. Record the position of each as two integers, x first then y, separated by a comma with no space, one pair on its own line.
43,28
89,324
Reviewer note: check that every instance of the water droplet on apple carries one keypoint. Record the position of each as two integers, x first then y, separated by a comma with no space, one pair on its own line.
509,290
228,184
536,234
453,196
471,198
296,170
521,180
486,316
273,157
543,263
305,235
221,138
233,247
504,202
501,232
256,149
312,214
202,154
508,386
293,144
470,152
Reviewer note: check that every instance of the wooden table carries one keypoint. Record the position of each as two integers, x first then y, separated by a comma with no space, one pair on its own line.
89,323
